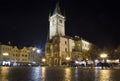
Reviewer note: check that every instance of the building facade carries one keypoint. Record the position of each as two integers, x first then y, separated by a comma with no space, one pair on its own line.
59,47
5,54
14,56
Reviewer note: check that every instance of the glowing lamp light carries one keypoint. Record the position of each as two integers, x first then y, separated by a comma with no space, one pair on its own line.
67,58
76,62
38,51
117,60
103,55
34,49
43,60
5,54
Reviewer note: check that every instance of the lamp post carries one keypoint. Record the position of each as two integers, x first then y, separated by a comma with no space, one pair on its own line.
43,60
36,55
67,59
104,56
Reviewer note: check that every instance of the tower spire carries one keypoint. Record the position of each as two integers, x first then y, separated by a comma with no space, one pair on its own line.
57,9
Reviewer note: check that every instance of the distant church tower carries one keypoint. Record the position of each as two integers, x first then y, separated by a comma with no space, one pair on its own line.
57,23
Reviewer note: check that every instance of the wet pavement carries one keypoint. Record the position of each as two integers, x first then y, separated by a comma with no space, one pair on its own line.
58,74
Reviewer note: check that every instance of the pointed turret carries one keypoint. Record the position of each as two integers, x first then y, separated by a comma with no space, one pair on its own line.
57,9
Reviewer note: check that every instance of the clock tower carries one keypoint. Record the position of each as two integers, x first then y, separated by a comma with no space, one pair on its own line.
57,23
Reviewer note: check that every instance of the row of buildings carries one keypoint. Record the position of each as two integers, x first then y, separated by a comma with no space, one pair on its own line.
59,47
13,56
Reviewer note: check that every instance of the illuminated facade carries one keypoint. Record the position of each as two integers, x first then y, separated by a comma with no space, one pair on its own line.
5,54
12,55
59,46
57,26
24,55
15,55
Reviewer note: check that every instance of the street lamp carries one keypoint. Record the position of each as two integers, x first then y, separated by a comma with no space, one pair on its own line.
67,59
33,49
38,51
103,56
43,60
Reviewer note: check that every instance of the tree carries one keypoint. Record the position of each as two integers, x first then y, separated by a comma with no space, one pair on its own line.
94,52
85,55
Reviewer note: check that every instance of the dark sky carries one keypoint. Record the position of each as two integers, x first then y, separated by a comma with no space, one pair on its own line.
25,23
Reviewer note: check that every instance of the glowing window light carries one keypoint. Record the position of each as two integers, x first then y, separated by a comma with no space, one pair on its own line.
5,54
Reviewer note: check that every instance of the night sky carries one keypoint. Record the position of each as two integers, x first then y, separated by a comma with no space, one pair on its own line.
25,23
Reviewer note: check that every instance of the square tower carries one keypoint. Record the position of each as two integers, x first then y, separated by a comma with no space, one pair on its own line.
57,23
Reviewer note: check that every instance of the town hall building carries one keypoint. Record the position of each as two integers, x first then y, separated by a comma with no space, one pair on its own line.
61,48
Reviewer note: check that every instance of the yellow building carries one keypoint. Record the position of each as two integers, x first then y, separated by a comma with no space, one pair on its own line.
5,54
15,56
12,55
24,55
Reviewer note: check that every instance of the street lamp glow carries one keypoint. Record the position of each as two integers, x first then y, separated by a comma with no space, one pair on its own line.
34,49
38,51
103,55
67,58
5,54
43,60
